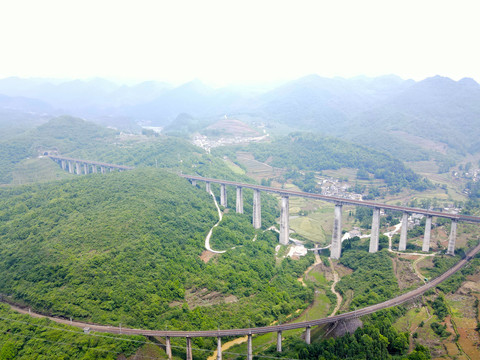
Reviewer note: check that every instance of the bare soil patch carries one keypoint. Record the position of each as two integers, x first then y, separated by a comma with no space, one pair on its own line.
206,256
203,297
405,274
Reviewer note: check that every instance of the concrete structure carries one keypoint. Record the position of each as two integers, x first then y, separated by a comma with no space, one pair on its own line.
223,195
307,335
402,246
239,200
428,231
168,347
219,348
452,238
284,228
249,347
375,233
207,187
257,210
79,166
336,248
189,348
279,341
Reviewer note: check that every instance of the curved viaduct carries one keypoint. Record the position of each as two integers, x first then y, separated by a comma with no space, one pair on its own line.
277,328
335,251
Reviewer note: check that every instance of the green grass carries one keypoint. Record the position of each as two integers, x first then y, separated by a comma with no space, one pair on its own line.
38,170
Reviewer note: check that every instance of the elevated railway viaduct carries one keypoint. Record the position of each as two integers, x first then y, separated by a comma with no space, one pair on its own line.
284,231
335,250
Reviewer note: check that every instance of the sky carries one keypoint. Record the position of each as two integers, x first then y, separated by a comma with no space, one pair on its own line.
238,42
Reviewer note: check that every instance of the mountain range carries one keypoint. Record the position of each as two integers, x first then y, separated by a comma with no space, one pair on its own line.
382,109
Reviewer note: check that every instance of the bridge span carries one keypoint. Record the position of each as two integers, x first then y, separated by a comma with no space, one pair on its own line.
79,166
307,325
335,249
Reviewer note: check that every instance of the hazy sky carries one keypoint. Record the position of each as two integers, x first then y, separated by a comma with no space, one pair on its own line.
241,41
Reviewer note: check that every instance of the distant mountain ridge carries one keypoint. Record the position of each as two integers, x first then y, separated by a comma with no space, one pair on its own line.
438,109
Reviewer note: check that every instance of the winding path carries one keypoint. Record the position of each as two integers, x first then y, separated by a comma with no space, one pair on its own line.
209,235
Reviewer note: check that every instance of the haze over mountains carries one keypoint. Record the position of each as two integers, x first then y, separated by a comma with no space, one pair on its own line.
437,108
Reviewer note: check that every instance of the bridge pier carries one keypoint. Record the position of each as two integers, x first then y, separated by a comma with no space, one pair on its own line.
426,237
249,348
94,169
102,169
239,201
194,182
64,164
77,167
307,335
402,246
257,209
284,228
336,248
279,341
189,348
70,167
207,187
223,195
168,347
85,168
452,238
219,348
374,235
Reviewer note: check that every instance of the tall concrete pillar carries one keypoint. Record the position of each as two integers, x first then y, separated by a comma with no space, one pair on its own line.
207,187
453,238
375,233
168,348
94,168
284,228
307,335
64,164
223,195
77,167
102,169
194,182
239,200
257,209
426,237
189,349
70,167
85,168
249,348
279,341
219,348
336,248
402,246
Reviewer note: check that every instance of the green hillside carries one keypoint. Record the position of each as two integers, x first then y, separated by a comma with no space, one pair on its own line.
306,151
125,248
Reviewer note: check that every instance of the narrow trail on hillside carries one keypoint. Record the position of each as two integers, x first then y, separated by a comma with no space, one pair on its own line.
337,294
209,235
415,268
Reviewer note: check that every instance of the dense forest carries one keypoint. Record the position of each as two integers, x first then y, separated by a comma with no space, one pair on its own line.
125,248
24,337
305,151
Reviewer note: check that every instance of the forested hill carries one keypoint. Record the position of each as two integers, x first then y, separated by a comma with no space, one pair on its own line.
78,138
125,248
305,151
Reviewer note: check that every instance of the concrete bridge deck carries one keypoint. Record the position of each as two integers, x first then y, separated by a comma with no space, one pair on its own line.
91,162
337,200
